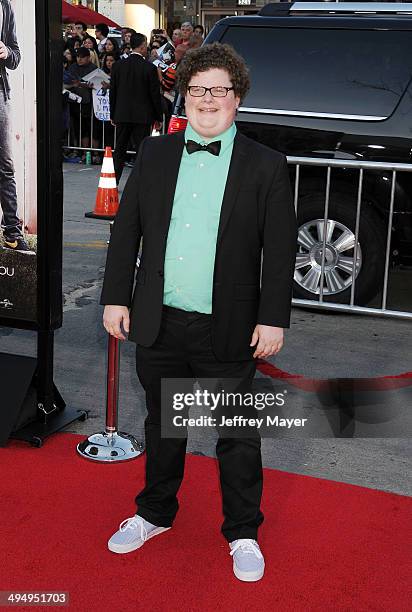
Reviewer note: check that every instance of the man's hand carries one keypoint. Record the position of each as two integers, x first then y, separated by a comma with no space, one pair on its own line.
4,52
157,126
269,340
112,122
113,317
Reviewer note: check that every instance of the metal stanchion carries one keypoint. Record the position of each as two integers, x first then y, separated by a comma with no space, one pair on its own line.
111,445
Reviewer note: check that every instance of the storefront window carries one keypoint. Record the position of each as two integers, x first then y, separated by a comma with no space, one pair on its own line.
205,12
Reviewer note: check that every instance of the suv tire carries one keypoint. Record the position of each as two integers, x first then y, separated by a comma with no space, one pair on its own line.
341,234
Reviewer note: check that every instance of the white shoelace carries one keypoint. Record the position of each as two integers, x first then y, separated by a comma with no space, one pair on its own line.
133,523
248,546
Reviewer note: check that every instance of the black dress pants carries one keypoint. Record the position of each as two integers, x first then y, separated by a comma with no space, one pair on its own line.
183,350
10,223
125,133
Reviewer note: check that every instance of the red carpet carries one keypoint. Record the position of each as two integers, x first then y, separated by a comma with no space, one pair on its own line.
328,546
379,383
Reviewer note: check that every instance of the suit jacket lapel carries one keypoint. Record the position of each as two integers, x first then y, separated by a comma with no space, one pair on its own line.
234,180
173,155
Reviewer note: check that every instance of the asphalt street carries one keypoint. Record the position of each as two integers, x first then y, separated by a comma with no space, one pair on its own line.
319,345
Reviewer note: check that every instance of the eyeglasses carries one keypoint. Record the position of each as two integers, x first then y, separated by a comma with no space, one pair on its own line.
217,92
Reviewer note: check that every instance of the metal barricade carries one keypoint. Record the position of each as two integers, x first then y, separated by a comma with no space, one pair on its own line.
100,134
352,264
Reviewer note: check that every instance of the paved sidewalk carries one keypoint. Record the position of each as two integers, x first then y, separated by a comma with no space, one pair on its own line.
318,345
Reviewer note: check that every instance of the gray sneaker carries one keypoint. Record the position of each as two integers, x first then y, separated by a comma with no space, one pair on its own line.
248,561
132,534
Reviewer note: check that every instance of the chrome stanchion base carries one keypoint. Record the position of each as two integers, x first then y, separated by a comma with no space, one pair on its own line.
110,447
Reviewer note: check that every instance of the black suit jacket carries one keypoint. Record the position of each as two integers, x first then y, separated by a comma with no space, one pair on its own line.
8,37
134,91
257,214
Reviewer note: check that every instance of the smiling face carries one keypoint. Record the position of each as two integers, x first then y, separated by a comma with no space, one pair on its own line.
88,43
207,115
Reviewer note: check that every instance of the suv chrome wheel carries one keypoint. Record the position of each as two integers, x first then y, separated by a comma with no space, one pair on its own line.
339,257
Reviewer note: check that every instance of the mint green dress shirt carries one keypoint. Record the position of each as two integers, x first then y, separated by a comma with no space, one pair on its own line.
191,241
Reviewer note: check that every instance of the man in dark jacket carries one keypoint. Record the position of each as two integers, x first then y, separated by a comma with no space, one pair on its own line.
9,59
135,102
205,304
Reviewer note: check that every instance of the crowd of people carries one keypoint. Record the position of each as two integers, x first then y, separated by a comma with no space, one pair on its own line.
83,53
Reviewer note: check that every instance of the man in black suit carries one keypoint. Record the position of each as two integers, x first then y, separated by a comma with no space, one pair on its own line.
135,102
202,305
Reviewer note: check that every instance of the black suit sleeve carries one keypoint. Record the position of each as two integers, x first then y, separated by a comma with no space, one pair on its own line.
279,252
13,58
124,244
155,93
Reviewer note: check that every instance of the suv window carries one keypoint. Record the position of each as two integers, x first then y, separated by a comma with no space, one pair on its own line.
349,72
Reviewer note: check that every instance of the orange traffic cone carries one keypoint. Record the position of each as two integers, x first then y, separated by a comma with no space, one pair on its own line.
107,198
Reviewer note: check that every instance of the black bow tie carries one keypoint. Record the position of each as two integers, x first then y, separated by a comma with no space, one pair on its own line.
212,147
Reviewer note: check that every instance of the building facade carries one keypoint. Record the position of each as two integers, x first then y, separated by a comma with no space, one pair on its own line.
144,16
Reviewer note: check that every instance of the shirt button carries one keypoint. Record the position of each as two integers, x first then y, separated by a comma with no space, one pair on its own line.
187,224
195,195
201,165
180,258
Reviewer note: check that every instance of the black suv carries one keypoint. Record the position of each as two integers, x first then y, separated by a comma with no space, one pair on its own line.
333,81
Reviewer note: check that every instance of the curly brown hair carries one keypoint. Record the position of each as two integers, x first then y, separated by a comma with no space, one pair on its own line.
215,55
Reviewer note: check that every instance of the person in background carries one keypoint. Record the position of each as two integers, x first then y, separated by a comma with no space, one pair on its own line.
125,51
135,101
108,61
187,31
153,49
199,29
167,82
126,34
81,29
90,43
69,32
112,46
166,53
102,32
195,41
74,42
70,56
78,71
177,37
67,83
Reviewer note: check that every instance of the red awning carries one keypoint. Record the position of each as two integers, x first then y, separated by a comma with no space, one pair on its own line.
71,13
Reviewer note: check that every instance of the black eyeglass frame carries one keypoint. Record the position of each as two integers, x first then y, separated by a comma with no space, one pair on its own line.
206,89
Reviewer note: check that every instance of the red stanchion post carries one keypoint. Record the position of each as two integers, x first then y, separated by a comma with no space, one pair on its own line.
111,445
113,363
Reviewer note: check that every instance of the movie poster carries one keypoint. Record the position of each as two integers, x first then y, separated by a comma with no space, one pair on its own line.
18,161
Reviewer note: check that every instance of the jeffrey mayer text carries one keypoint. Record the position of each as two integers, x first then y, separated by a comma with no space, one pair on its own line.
237,421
